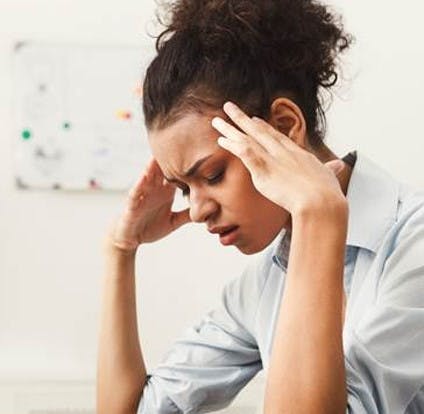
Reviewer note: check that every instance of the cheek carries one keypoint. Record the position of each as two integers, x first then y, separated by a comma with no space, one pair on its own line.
240,178
238,192
242,197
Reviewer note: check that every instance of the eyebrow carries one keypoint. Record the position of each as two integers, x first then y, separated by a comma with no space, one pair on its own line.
191,170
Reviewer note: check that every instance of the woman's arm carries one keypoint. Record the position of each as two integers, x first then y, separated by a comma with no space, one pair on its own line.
147,217
306,373
121,372
307,365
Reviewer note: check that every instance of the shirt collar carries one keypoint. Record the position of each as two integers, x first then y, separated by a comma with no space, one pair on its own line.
373,197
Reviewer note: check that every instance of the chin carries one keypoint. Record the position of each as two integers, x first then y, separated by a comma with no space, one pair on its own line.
247,250
252,248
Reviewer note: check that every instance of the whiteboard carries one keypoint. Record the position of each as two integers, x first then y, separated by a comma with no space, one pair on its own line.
78,116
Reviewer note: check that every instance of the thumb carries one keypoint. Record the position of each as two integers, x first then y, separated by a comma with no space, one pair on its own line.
337,166
180,217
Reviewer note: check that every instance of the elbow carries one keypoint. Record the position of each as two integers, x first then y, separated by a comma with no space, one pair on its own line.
120,400
305,407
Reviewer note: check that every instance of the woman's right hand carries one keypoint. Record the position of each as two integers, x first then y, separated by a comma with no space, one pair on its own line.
147,216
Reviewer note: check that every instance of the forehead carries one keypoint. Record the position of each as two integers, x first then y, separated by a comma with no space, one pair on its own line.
182,143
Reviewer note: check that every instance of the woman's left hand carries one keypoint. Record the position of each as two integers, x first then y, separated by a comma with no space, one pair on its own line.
281,170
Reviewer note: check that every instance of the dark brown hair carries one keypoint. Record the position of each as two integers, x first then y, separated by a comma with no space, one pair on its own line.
246,51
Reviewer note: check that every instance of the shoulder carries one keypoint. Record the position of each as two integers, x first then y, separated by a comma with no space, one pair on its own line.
408,228
410,210
402,281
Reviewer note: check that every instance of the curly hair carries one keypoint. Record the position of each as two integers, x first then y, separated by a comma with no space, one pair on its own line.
246,51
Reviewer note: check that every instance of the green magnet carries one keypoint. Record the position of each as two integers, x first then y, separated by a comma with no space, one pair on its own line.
26,134
66,125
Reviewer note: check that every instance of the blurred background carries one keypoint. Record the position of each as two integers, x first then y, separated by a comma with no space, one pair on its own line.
52,224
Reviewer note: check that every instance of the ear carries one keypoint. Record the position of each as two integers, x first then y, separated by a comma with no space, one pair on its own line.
287,118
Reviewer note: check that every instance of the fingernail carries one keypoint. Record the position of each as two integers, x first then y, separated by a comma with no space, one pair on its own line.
221,140
339,167
229,106
216,121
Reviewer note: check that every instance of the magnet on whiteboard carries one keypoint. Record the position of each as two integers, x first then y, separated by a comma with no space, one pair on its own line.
122,114
93,184
26,134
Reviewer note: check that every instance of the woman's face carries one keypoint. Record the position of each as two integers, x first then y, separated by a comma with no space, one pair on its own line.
219,189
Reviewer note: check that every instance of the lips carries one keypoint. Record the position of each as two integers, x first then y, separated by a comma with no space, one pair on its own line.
222,230
230,236
224,233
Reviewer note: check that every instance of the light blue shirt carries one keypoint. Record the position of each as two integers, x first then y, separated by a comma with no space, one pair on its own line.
383,334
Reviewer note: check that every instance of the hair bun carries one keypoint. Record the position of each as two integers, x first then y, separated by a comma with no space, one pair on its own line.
304,31
249,51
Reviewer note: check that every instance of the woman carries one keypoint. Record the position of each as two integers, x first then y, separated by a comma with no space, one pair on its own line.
332,307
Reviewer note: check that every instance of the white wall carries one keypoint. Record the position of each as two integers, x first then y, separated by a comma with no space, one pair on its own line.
50,243
381,111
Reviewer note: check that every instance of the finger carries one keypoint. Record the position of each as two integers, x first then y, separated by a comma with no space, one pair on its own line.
266,140
150,165
253,159
337,166
135,190
278,136
135,193
156,167
135,202
143,181
151,174
228,130
180,218
156,172
141,178
142,174
255,128
232,134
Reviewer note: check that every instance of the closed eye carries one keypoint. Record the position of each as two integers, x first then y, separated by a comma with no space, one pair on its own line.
210,180
215,178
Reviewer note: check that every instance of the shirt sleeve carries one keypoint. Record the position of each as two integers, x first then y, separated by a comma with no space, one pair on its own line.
384,367
205,369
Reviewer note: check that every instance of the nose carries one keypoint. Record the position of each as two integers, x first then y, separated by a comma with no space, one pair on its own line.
201,207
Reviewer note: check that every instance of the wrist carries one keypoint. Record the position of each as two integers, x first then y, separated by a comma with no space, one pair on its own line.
112,248
120,264
326,211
